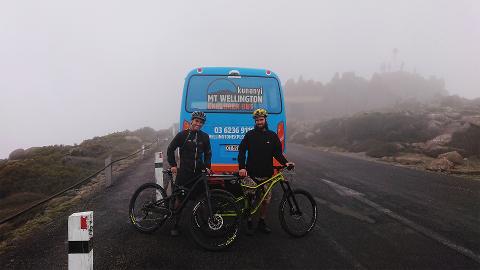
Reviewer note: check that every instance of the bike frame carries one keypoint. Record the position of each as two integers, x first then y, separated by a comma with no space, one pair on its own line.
271,182
177,190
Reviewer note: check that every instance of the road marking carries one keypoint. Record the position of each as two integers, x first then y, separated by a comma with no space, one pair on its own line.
345,211
345,191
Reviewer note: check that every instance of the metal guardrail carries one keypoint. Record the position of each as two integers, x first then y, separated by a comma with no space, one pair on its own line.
77,184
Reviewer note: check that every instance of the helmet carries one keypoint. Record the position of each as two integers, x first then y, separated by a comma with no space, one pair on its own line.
260,113
200,115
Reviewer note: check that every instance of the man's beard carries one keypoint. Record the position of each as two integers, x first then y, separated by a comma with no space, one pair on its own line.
265,126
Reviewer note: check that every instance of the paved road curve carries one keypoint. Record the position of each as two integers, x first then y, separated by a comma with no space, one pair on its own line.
371,216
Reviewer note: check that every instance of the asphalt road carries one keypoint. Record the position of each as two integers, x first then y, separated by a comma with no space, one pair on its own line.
371,216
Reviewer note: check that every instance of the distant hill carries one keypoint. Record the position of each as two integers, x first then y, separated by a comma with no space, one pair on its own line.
32,174
395,116
347,94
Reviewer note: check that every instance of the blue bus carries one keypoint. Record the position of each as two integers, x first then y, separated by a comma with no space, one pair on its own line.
229,95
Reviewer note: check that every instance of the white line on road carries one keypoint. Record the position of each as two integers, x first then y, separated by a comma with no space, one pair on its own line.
344,191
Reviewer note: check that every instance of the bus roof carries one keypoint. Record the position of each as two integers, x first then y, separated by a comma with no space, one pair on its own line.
227,71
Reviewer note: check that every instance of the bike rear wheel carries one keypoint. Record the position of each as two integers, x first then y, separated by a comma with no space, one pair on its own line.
219,231
297,219
149,209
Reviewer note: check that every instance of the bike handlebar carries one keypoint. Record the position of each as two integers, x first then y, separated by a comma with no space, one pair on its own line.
169,171
289,167
236,174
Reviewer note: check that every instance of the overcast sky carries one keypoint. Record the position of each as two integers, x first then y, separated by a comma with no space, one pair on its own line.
72,70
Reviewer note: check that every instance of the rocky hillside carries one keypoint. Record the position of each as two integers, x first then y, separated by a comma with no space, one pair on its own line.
441,135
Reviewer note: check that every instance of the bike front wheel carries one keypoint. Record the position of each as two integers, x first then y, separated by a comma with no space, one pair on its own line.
219,230
149,209
298,212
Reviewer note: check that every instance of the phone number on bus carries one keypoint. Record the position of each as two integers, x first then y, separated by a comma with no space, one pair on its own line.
232,130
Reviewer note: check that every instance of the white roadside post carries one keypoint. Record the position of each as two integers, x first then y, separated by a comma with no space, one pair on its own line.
80,246
159,173
159,168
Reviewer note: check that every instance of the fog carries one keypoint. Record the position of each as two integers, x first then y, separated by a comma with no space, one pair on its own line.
71,70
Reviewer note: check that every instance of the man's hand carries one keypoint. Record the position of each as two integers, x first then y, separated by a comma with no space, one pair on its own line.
208,171
242,172
174,170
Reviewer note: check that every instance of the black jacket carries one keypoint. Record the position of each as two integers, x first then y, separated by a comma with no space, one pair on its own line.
194,145
262,147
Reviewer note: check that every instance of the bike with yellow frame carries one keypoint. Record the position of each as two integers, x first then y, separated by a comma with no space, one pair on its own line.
297,210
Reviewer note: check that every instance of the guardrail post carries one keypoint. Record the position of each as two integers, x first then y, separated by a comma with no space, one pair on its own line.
80,248
108,171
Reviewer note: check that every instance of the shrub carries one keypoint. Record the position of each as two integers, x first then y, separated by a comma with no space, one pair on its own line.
357,132
468,140
382,150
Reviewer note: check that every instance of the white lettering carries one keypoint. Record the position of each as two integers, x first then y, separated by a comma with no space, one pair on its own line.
212,98
250,91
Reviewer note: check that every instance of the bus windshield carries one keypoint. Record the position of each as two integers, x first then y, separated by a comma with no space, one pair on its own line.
213,93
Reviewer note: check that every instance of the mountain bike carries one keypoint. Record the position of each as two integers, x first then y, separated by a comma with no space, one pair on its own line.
297,209
215,218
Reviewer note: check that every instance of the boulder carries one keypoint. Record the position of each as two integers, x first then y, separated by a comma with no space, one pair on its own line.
454,115
472,119
440,140
453,156
388,159
437,116
435,150
440,164
456,126
437,145
17,154
309,135
434,126
418,145
400,146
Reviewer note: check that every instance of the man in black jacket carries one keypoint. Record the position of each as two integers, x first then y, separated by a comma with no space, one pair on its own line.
195,154
262,145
